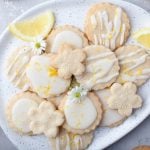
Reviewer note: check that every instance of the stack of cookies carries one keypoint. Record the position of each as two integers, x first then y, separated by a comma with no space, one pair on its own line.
73,82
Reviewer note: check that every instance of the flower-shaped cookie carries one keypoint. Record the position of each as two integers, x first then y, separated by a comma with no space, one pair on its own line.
45,119
69,62
124,98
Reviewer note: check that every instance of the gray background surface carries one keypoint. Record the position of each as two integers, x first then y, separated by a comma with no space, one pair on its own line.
9,10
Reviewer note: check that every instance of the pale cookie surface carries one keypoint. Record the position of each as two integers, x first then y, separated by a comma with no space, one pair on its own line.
44,78
45,119
83,116
107,25
17,109
102,68
69,62
69,141
134,64
66,34
111,117
124,98
16,67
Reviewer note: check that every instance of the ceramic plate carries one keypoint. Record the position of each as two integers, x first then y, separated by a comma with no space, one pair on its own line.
71,12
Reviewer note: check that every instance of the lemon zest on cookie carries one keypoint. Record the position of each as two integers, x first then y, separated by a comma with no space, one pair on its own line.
139,72
52,72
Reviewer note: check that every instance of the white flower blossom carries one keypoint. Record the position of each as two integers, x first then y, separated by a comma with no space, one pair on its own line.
38,46
77,94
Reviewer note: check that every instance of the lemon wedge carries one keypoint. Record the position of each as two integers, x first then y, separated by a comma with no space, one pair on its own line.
33,28
143,37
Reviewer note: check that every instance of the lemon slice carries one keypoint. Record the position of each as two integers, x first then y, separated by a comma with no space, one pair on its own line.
31,29
143,37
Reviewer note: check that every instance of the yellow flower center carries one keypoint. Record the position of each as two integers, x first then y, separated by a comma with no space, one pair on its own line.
52,71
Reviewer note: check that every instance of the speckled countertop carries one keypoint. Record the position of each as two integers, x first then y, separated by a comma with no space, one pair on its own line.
9,10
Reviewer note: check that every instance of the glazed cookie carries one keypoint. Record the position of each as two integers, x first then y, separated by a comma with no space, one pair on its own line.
102,68
69,141
124,98
111,118
66,34
107,24
45,119
17,109
44,78
134,64
82,111
69,62
16,66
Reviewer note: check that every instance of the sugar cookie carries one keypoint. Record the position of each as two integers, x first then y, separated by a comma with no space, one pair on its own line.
111,118
69,141
45,119
69,62
16,66
134,64
102,68
44,78
66,34
83,113
124,98
17,109
107,24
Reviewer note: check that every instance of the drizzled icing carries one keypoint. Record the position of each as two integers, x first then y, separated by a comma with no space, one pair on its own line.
98,69
47,83
100,21
69,37
76,142
76,113
131,63
16,68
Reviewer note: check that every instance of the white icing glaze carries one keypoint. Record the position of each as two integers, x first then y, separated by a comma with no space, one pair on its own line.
90,58
42,82
57,143
21,59
110,116
19,113
78,141
69,37
130,54
68,142
137,62
77,115
113,28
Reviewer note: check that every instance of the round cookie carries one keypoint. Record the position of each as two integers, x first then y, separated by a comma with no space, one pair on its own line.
16,66
107,24
134,64
17,111
69,141
44,78
66,34
111,118
102,68
81,116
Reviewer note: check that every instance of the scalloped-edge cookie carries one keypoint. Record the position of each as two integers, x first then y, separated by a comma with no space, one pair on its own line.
134,64
17,109
111,118
16,67
81,116
44,79
101,68
69,141
66,34
107,24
